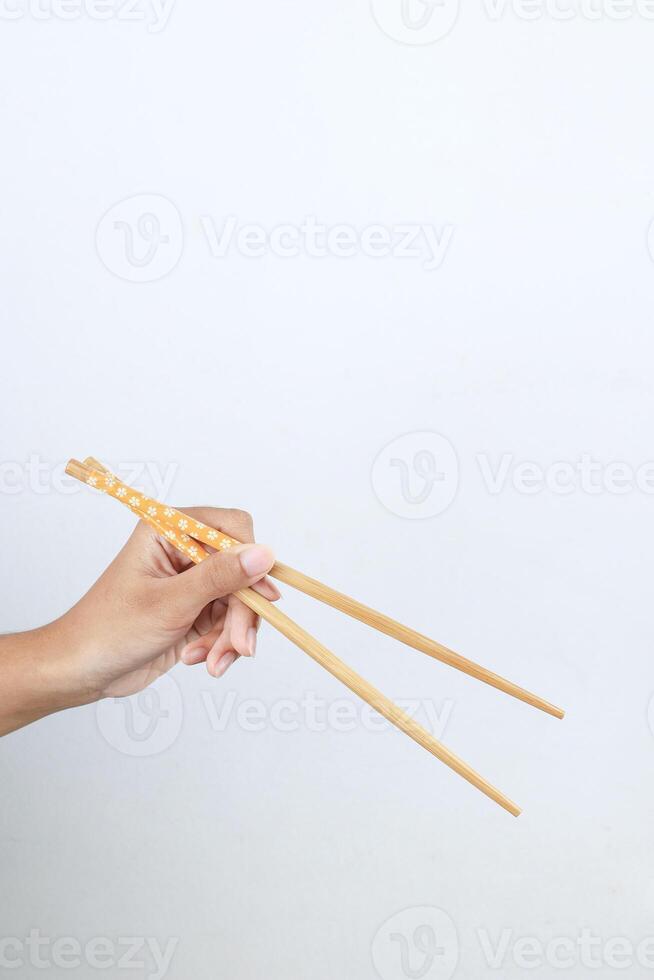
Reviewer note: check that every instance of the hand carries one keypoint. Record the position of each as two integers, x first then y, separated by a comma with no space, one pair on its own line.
152,608
148,611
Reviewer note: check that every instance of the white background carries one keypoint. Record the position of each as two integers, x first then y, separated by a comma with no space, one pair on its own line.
273,384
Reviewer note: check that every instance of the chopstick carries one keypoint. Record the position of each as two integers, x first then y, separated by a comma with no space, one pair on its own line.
158,516
379,621
357,610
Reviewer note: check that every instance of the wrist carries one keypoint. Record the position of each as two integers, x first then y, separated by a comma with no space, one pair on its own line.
62,662
38,675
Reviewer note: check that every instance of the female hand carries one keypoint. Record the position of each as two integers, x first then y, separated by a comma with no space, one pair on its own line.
147,611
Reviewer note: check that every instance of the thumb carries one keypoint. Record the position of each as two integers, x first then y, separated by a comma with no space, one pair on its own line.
218,576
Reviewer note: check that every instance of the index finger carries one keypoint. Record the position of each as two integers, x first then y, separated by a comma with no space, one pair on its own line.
229,520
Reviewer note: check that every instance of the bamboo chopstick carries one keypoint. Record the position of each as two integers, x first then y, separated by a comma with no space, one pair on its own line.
357,610
152,512
406,635
371,695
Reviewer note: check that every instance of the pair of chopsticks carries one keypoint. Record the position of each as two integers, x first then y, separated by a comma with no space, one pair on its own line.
190,537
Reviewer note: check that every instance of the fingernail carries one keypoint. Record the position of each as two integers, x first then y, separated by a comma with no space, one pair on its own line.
225,663
252,641
187,654
256,560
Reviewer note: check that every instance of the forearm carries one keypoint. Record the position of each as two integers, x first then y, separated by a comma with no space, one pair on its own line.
37,676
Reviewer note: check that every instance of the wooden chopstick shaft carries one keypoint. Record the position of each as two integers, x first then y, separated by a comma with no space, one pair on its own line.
379,621
359,686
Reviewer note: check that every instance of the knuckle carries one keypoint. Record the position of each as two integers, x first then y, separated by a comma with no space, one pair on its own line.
239,522
238,516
